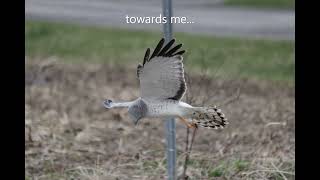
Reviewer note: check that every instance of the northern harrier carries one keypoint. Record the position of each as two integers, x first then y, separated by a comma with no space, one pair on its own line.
162,85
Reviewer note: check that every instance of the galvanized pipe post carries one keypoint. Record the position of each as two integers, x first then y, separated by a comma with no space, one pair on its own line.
170,124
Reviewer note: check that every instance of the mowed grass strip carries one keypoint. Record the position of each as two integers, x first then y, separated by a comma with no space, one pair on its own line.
233,57
278,4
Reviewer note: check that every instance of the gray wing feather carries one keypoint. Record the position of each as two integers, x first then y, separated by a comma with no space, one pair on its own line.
162,76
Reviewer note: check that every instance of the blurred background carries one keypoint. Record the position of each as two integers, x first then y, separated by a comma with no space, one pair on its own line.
240,56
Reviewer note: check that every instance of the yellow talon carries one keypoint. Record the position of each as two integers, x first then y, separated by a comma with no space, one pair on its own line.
190,125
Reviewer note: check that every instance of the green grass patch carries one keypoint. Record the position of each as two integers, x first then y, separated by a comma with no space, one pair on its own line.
149,165
229,167
280,4
217,172
261,59
241,165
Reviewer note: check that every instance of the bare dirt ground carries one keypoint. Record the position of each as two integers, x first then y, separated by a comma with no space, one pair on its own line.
69,135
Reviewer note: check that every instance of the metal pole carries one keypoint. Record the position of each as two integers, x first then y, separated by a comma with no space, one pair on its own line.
170,124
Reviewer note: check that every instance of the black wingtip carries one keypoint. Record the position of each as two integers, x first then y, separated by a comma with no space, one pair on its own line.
146,56
157,49
179,53
166,48
173,50
163,51
172,41
161,42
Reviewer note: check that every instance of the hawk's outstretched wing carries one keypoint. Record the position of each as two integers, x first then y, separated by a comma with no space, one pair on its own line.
162,75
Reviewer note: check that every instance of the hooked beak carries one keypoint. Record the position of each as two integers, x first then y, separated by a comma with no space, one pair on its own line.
107,103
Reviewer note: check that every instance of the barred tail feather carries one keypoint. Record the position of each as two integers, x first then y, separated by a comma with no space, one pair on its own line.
209,117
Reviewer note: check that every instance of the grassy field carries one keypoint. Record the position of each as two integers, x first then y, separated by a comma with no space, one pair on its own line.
280,4
69,135
260,59
70,70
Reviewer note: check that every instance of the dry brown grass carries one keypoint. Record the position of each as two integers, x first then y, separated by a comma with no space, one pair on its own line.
69,135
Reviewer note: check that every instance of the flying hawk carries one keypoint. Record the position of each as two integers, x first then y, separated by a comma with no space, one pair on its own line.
162,85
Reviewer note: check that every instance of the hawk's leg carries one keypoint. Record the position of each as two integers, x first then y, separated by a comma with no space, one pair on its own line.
188,148
190,125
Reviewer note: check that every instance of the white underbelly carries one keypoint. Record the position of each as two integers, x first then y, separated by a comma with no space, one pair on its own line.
166,109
